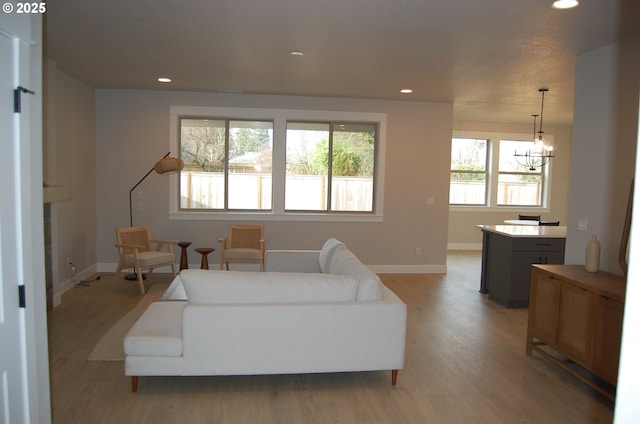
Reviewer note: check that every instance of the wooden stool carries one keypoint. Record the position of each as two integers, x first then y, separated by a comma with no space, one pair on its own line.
204,251
184,262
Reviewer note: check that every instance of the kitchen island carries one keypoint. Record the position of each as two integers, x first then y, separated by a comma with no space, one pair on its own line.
508,251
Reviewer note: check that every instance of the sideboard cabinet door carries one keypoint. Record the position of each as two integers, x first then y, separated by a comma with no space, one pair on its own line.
607,334
575,323
544,304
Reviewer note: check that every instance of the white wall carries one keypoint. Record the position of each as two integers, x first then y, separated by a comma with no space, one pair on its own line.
70,160
604,147
132,132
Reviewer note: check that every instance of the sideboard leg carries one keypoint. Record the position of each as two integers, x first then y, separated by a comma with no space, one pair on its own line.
134,383
394,377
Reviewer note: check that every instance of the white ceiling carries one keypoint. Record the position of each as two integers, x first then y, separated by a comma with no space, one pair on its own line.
487,57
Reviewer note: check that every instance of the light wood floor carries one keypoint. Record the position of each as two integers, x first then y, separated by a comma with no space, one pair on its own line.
465,363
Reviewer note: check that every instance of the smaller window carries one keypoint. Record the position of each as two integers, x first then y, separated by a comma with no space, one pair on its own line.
517,184
469,171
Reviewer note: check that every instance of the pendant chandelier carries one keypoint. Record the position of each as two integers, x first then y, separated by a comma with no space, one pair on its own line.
540,154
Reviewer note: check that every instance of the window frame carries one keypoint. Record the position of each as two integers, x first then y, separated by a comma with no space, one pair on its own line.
279,118
486,173
493,139
330,172
227,174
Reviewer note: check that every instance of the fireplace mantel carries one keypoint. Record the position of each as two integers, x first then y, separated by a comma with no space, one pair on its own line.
56,193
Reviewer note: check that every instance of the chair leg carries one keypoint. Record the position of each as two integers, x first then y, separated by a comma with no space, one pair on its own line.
140,280
115,278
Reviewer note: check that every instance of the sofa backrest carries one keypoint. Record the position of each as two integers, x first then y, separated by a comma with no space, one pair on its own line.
216,287
326,254
344,262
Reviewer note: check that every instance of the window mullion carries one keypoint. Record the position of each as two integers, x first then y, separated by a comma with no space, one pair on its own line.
329,168
279,164
493,173
226,164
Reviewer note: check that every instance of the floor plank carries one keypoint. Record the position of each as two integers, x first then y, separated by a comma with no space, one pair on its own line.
465,363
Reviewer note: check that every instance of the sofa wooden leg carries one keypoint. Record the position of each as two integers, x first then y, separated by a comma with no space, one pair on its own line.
134,383
394,377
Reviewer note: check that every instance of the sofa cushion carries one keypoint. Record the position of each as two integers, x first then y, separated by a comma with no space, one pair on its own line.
151,258
158,331
243,253
344,262
215,287
326,254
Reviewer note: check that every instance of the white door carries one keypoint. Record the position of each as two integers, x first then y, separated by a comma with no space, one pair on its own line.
12,378
24,372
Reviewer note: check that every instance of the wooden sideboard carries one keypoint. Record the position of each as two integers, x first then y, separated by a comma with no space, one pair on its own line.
577,314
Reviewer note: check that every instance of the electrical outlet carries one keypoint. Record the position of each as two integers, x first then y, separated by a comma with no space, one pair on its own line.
418,251
431,201
69,261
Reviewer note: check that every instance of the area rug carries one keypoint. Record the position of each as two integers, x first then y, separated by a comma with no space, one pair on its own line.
109,348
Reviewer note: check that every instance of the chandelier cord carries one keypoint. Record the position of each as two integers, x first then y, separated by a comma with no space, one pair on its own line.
540,132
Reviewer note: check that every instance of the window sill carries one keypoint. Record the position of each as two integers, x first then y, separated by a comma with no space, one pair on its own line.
494,209
272,216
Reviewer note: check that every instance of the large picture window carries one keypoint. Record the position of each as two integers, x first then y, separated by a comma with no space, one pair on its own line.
227,164
330,166
268,164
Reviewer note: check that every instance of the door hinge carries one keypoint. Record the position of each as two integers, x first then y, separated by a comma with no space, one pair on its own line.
17,94
22,298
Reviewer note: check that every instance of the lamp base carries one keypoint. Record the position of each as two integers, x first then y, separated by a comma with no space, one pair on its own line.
132,276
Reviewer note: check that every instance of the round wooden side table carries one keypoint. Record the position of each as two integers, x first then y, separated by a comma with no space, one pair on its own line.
184,262
204,251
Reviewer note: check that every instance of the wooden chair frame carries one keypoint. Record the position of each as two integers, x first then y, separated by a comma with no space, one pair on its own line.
134,246
243,237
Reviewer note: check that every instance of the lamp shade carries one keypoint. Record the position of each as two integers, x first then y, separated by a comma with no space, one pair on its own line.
168,165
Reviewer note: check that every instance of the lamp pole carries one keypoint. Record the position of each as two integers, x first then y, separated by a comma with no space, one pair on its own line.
134,187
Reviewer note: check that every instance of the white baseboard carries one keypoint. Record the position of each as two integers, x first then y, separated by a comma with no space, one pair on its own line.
408,269
464,246
111,267
67,285
378,269
102,267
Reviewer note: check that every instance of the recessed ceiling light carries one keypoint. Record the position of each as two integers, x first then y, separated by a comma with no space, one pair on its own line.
565,4
296,53
164,79
406,91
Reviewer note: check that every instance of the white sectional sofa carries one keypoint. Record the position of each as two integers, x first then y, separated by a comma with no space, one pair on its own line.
310,312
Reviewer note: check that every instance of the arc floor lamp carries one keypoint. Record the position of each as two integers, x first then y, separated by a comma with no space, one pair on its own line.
165,166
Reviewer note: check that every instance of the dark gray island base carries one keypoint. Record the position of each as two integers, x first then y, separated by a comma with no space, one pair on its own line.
508,251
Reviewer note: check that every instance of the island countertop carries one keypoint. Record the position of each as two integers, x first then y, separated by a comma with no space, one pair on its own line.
529,231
